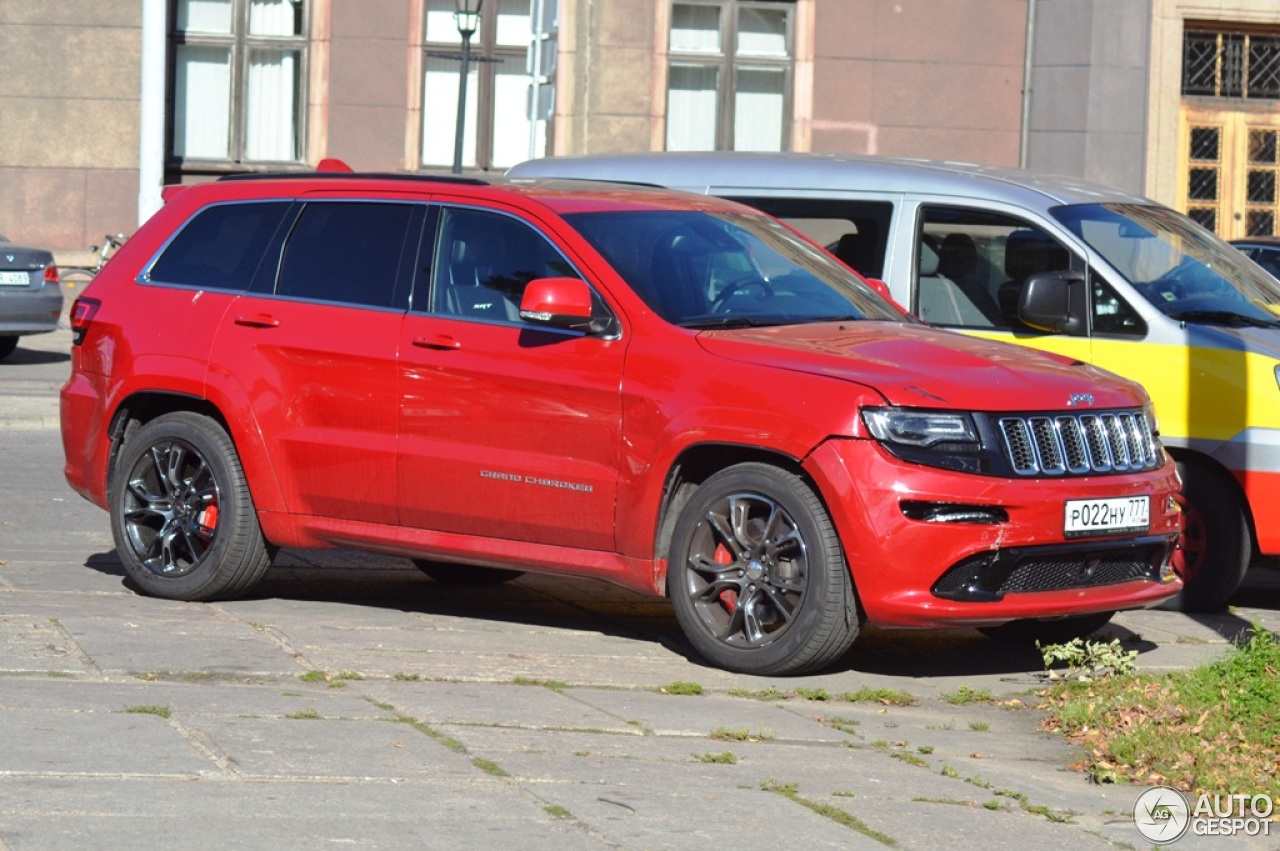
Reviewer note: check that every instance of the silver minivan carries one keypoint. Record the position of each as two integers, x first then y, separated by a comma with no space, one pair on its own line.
1062,265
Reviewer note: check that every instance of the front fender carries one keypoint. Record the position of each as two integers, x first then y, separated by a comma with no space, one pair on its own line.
786,414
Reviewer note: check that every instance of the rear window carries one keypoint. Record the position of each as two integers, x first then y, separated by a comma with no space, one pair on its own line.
221,247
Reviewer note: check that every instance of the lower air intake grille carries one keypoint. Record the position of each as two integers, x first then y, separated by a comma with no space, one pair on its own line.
989,576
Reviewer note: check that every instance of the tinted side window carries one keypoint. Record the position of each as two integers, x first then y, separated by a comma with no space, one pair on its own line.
348,251
1268,259
221,247
484,260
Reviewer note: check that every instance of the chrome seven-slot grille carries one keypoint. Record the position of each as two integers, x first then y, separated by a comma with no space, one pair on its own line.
1075,444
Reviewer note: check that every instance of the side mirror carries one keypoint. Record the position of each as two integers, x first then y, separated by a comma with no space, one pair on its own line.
882,289
1056,302
564,303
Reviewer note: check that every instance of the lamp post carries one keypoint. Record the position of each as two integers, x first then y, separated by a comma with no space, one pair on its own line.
467,16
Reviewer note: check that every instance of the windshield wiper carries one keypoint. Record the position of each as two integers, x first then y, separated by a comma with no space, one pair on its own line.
848,317
707,323
1223,317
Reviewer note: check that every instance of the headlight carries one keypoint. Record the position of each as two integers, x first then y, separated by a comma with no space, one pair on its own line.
921,428
946,439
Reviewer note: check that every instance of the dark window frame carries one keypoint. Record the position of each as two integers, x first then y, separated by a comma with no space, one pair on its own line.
240,43
486,60
729,65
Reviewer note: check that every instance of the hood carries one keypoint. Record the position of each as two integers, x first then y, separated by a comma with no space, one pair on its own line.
923,366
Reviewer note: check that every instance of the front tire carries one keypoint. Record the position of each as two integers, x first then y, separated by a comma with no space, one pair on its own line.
8,345
757,576
183,520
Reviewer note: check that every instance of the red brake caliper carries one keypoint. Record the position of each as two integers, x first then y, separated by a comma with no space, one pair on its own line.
728,597
208,519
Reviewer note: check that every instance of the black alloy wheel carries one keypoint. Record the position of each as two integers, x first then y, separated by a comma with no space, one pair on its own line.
183,520
757,576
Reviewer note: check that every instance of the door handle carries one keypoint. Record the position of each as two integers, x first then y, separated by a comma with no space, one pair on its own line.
439,341
262,320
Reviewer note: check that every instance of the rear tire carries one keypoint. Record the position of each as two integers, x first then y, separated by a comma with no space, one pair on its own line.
7,346
1215,545
181,513
447,573
757,576
1057,631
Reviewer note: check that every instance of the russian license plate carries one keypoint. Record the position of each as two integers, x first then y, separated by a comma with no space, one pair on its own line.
1107,516
14,279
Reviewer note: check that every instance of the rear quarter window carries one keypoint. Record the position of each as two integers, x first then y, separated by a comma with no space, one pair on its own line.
221,247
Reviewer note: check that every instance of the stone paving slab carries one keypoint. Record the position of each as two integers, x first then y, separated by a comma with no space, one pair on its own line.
72,814
353,701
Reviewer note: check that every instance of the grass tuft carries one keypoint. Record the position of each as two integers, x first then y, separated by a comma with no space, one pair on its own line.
886,696
967,694
790,791
681,687
160,711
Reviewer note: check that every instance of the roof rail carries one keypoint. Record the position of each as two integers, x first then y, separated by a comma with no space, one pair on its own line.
354,175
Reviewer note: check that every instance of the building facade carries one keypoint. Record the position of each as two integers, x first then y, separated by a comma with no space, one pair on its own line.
1175,99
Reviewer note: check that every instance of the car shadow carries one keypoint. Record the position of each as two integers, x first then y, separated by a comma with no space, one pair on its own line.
1260,590
33,357
593,606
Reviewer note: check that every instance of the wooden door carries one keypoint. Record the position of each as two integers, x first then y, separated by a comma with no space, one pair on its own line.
1229,170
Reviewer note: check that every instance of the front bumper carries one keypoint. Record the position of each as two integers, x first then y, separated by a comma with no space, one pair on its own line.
1006,559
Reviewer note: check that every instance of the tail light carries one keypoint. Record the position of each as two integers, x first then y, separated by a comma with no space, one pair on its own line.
82,313
51,275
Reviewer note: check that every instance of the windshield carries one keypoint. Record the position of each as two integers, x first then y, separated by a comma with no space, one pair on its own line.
1178,266
700,269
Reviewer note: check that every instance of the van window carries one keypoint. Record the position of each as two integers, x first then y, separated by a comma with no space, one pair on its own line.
348,252
221,247
971,265
855,231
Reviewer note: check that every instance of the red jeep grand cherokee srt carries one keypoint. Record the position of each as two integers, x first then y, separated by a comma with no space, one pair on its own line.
670,392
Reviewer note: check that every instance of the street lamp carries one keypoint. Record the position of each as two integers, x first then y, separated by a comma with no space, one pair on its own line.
467,16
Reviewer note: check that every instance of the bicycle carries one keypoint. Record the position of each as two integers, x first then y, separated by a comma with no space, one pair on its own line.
72,275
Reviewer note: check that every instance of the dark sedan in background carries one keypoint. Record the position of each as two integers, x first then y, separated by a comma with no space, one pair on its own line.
1263,250
30,294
